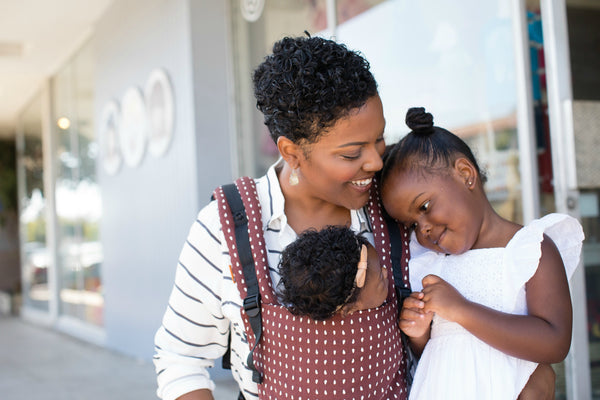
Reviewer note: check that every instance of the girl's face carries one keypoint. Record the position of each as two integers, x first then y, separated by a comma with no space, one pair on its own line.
340,166
375,290
441,208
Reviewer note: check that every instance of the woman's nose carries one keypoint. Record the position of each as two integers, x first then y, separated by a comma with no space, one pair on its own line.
373,161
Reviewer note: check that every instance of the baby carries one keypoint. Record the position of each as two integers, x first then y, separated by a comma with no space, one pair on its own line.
331,271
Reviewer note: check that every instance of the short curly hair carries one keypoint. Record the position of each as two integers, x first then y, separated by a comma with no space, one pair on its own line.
307,84
318,271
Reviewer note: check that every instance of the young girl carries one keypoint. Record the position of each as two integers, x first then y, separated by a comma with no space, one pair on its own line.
497,292
329,271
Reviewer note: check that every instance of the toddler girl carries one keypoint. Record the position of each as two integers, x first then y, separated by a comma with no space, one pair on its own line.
497,292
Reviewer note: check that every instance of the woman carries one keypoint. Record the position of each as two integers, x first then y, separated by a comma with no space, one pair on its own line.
322,108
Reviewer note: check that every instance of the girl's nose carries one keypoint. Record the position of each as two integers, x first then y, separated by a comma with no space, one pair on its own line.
425,228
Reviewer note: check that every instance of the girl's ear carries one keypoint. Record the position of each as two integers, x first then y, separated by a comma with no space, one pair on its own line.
466,171
290,151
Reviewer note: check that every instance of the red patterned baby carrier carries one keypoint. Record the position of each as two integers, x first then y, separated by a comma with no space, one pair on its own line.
360,356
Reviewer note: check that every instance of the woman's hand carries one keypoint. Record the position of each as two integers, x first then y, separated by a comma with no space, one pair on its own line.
541,384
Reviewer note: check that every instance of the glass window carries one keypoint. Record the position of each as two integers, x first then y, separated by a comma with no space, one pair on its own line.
252,40
438,56
32,203
458,65
78,200
590,219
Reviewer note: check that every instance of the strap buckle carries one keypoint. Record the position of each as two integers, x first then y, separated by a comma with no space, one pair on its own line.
240,218
402,293
252,305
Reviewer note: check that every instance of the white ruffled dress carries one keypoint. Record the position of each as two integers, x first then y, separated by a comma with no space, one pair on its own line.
457,365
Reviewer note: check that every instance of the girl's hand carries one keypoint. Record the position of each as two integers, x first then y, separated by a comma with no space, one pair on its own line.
414,320
442,298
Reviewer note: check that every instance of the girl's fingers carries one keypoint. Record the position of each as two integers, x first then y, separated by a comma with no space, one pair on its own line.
430,280
414,301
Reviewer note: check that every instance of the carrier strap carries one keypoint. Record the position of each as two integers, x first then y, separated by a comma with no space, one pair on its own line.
399,242
252,300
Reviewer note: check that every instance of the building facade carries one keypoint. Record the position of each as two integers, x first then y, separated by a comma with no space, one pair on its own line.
124,144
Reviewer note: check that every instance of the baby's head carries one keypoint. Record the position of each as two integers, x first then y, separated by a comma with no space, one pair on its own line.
431,182
329,271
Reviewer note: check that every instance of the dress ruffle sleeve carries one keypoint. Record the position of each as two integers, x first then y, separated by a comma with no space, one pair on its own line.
523,253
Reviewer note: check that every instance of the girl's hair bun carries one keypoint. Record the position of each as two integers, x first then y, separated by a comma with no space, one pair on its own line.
419,120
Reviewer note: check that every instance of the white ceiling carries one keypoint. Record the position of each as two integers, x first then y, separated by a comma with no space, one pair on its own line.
36,38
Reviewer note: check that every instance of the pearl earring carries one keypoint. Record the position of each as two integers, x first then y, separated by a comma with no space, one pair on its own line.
293,179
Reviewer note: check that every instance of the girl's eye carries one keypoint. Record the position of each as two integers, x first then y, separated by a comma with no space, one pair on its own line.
413,226
350,157
425,206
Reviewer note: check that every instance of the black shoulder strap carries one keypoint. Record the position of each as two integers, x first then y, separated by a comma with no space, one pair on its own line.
252,300
402,290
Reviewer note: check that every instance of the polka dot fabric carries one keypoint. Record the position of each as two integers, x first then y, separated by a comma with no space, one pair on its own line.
357,357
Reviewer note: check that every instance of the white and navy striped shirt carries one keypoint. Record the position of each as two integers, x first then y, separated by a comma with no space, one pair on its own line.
205,302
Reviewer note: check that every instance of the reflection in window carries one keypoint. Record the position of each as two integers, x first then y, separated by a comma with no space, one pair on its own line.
255,150
77,193
35,262
459,67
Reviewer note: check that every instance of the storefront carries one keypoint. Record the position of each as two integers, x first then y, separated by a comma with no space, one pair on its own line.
103,218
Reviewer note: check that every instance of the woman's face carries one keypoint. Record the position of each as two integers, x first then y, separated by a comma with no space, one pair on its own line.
340,166
375,290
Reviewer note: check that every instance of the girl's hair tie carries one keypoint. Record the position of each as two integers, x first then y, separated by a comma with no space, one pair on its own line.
419,121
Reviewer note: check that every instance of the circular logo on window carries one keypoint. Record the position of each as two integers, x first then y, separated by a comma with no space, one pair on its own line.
252,9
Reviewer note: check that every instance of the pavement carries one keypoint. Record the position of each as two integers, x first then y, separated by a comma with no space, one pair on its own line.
40,363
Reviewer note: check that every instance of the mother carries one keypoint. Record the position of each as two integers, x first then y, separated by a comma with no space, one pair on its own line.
322,108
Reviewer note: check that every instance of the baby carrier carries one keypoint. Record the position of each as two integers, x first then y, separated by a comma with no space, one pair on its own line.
360,356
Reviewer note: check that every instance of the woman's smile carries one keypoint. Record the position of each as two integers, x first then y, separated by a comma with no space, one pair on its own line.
362,184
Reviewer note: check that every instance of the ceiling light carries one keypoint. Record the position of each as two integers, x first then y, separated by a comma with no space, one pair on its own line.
63,123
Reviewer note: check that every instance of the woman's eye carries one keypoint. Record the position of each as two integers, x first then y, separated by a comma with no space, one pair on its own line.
425,206
350,157
413,226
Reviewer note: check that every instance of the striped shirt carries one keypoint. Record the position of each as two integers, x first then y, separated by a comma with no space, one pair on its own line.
205,304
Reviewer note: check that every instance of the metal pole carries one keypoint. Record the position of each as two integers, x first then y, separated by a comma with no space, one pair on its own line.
560,99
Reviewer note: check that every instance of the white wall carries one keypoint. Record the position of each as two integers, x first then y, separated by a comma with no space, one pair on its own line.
148,210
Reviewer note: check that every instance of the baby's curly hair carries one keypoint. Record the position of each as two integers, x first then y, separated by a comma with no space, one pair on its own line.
307,84
318,271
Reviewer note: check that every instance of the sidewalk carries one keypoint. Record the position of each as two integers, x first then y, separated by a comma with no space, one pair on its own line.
40,363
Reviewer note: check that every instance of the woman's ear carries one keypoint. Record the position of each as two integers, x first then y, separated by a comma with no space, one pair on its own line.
290,151
466,172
